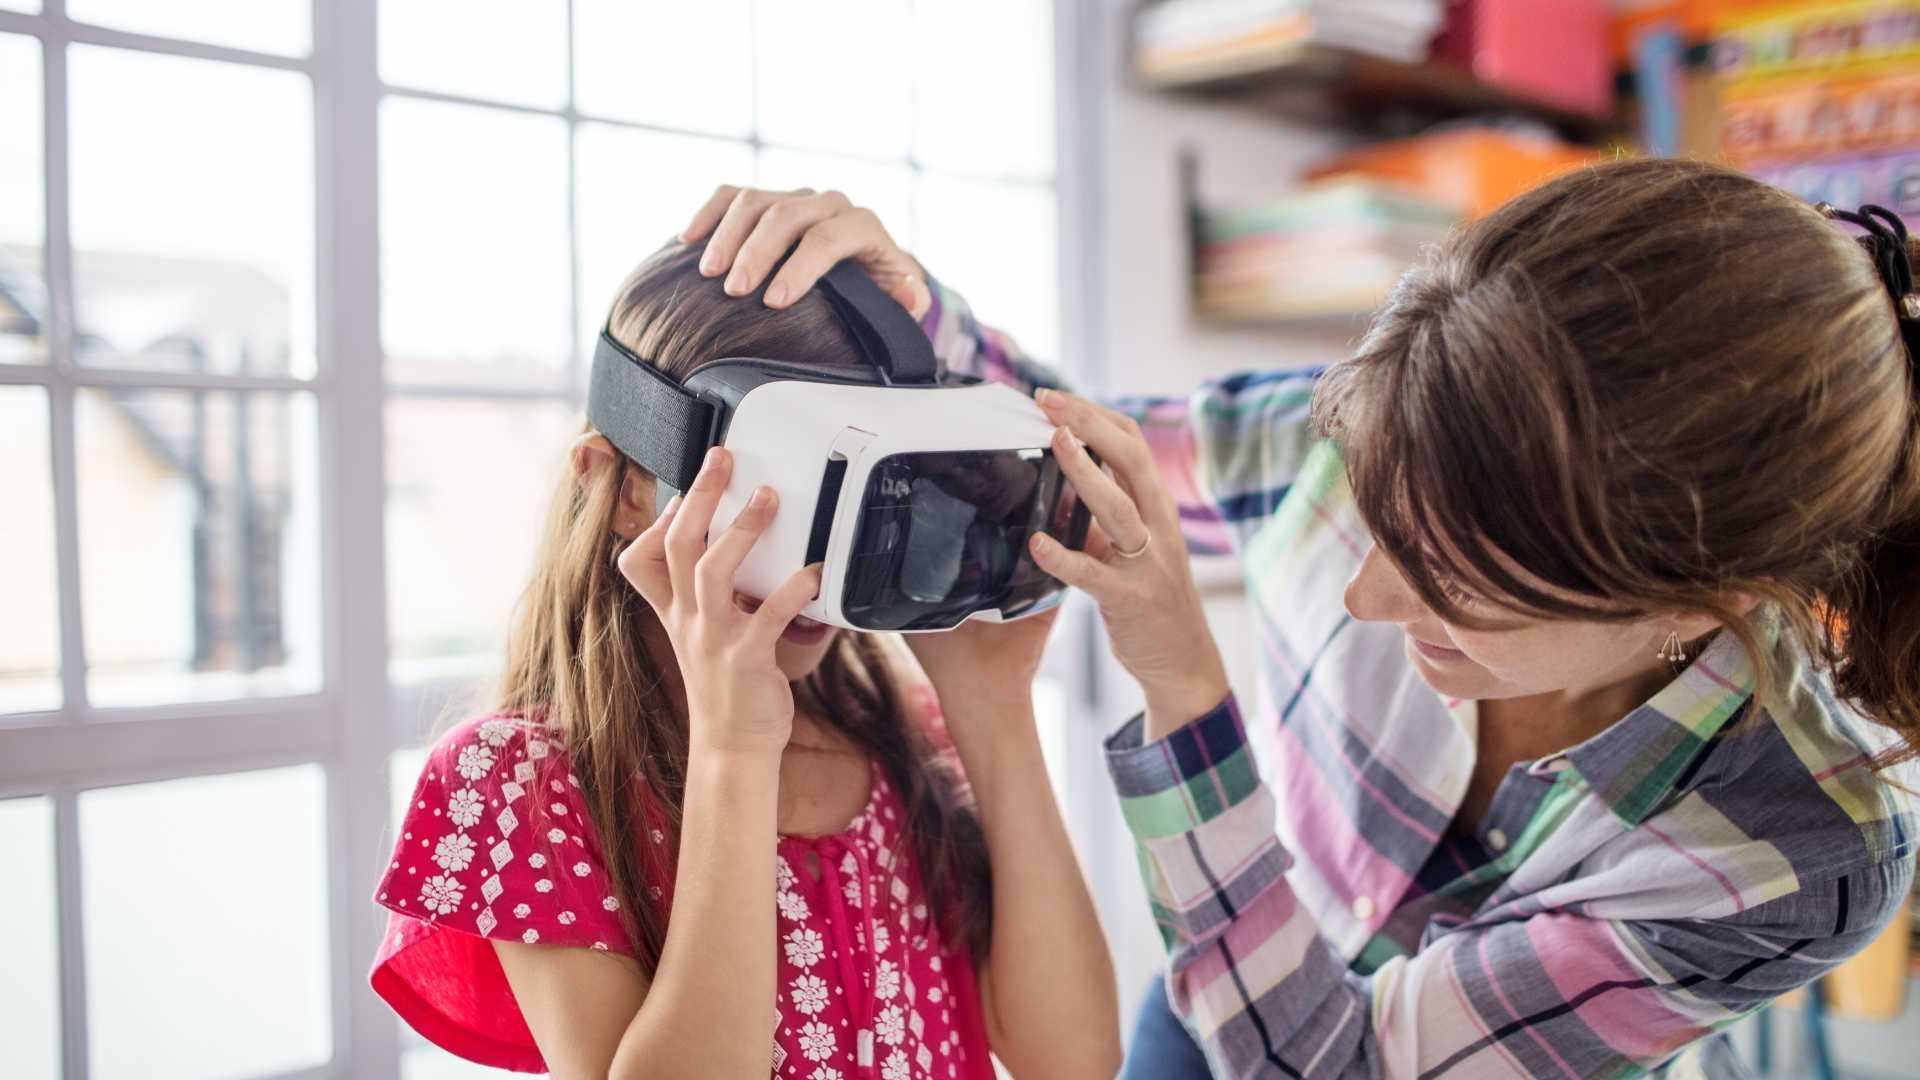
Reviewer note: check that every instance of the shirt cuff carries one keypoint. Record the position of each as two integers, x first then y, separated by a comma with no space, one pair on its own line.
1190,777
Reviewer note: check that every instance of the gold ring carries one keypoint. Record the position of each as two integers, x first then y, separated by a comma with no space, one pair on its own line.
1139,551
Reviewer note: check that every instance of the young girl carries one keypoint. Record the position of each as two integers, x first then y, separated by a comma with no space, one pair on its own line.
697,835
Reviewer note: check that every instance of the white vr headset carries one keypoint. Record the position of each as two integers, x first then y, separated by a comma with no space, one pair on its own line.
916,490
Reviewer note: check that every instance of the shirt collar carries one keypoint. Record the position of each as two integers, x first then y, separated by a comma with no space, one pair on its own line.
1637,761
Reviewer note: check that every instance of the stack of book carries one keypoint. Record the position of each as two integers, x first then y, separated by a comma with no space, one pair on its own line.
1181,39
1329,250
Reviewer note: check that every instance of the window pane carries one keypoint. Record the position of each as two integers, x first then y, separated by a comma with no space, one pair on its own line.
197,544
32,6
22,202
887,190
985,92
220,882
30,633
835,75
274,26
996,243
468,487
192,214
474,285
30,992
423,1061
636,190
666,62
502,50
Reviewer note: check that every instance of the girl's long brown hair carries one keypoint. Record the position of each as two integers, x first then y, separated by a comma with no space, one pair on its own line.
1653,386
576,659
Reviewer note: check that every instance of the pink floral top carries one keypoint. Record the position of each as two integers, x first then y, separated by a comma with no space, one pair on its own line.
496,843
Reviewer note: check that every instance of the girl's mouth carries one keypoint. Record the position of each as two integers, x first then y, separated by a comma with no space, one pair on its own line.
1436,653
804,631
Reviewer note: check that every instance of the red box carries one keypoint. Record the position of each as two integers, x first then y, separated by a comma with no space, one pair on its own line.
1554,51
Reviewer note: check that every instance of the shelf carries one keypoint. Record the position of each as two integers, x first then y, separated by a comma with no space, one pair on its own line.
1326,83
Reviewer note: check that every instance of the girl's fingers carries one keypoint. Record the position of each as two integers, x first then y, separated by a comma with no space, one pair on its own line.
774,235
713,576
855,231
644,562
743,213
709,214
1112,507
1119,442
787,601
1076,568
687,535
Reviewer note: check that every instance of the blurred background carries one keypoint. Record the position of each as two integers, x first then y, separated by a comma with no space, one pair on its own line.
295,299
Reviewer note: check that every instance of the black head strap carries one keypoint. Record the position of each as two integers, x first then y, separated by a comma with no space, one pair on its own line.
1886,244
667,430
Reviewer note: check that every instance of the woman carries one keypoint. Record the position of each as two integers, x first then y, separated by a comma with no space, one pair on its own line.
1589,597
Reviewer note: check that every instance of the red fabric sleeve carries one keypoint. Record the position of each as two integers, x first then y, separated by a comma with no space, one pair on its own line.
496,843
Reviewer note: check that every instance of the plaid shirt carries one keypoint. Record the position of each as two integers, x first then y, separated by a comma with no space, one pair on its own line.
1636,894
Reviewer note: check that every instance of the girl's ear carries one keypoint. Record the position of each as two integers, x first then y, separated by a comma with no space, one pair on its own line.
590,451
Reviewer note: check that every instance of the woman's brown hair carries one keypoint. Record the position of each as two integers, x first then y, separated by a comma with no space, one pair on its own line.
577,661
1652,386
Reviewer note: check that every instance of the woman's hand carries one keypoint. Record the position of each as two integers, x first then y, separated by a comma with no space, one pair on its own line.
738,699
748,229
1139,572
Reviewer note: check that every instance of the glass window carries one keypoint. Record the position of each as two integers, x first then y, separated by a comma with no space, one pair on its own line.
192,214
834,75
995,242
984,87
30,633
500,50
197,544
468,483
30,993
886,189
22,203
220,882
474,285
665,62
30,6
273,26
636,190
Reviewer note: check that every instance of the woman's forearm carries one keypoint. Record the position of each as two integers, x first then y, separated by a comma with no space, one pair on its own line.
710,1009
1048,983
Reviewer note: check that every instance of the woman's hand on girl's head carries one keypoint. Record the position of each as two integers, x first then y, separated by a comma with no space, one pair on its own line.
1137,567
738,699
747,230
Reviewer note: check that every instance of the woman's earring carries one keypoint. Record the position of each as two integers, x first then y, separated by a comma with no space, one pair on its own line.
1671,650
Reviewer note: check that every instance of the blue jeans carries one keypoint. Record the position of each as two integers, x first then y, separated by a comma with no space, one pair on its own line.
1161,1049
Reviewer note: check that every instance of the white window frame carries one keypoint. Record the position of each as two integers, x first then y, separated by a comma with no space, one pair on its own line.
355,720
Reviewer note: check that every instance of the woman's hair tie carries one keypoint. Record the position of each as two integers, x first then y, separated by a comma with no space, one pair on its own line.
1886,244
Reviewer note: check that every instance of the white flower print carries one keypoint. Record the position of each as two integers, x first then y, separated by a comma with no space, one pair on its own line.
805,947
536,860
454,852
566,918
557,836
543,885
464,808
852,889
792,905
611,904
895,1067
782,873
581,869
880,939
530,936
816,1041
475,761
810,994
825,1072
886,981
521,911
440,894
496,732
891,1025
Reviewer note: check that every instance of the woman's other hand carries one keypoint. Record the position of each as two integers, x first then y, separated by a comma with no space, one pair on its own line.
1136,567
747,230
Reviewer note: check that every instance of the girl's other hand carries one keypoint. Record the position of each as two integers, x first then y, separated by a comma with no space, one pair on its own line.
747,230
738,699
1136,567
992,664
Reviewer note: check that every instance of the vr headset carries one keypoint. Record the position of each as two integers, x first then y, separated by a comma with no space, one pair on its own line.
916,490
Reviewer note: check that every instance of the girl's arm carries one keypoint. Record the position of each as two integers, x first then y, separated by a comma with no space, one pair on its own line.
1047,986
710,1009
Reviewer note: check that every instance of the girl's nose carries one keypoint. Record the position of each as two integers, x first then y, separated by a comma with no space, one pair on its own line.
1380,593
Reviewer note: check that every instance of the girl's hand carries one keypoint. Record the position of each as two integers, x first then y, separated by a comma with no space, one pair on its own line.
738,699
1139,571
748,230
992,664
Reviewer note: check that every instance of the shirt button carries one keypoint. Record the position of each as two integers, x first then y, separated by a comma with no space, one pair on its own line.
1363,907
1497,839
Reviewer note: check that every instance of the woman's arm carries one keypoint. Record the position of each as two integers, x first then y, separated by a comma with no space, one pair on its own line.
1047,986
